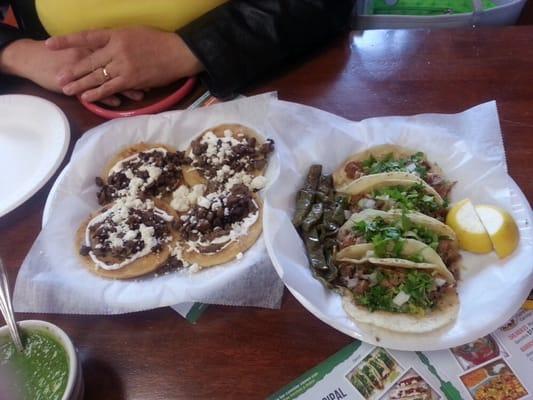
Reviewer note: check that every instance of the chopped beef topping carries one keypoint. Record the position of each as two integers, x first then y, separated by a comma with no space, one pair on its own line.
231,159
449,252
441,186
349,239
215,214
126,230
172,264
152,173
354,170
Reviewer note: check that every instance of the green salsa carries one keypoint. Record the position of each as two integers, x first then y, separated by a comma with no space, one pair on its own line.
41,370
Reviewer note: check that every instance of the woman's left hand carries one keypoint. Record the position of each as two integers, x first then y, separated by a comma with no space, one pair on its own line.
123,59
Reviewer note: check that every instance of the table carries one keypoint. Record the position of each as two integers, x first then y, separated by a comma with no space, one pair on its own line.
247,353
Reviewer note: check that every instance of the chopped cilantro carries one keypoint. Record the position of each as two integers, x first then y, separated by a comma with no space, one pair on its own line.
378,298
411,198
417,284
413,164
389,238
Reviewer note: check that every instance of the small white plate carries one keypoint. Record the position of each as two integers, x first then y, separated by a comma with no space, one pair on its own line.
34,137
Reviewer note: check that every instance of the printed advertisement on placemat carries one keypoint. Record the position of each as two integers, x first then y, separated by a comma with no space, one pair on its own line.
498,366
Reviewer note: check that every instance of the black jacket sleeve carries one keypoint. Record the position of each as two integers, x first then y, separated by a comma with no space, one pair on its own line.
27,19
8,34
244,39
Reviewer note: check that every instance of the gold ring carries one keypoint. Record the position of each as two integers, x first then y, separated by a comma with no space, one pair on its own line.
106,74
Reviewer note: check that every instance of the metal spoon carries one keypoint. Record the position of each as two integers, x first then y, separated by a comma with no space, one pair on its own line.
7,309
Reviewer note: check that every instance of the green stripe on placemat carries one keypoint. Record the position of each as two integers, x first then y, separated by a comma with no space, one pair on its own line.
310,378
195,312
447,388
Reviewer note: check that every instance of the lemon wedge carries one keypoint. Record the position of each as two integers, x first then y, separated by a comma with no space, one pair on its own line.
471,233
501,228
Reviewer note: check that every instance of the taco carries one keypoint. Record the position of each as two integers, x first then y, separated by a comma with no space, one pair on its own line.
392,158
127,238
386,230
362,383
226,155
395,191
404,289
220,227
141,170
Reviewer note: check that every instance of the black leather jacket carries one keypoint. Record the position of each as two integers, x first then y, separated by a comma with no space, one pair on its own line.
238,41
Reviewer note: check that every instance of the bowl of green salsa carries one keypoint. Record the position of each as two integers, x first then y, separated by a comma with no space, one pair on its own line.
47,369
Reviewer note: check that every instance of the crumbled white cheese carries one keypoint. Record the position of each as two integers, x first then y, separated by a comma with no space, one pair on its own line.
258,183
179,199
177,252
153,172
119,166
239,178
194,268
239,256
183,198
204,202
218,148
196,191
130,235
147,235
118,213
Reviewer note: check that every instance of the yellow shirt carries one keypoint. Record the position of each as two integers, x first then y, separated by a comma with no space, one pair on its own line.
60,17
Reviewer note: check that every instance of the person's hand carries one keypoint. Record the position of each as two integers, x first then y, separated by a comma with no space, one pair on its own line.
32,60
123,59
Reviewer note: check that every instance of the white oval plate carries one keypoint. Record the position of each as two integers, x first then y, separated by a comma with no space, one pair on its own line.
490,290
34,137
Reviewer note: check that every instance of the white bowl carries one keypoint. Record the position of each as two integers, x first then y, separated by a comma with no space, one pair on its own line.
74,389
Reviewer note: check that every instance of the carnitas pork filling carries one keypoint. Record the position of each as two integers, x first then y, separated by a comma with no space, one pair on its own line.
414,164
151,173
126,231
230,160
398,290
218,219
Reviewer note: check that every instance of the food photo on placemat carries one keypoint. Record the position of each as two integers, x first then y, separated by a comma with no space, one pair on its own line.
478,352
374,374
494,381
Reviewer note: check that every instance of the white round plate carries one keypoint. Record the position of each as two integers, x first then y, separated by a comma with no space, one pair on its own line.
491,290
34,137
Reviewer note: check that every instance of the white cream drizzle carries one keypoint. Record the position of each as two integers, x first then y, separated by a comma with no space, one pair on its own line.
119,166
119,214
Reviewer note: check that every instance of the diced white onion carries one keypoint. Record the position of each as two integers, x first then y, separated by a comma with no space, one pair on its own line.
373,278
401,298
410,234
352,282
366,203
439,281
410,167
